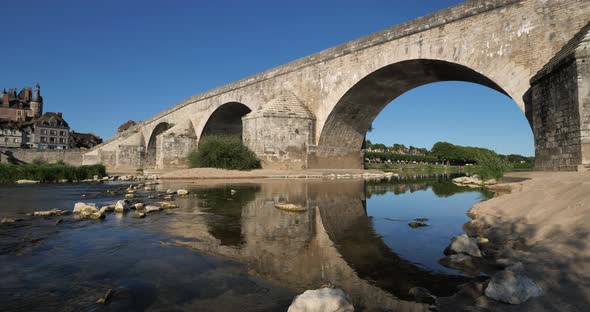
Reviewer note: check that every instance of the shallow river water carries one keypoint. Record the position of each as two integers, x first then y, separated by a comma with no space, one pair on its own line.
227,248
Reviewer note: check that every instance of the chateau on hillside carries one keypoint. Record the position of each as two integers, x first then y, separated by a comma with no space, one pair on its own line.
24,125
24,106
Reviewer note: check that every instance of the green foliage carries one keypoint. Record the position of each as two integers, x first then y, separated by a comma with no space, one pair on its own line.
9,173
223,152
384,156
490,165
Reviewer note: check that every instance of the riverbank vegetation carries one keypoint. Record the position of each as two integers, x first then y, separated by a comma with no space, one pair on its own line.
43,172
444,157
224,152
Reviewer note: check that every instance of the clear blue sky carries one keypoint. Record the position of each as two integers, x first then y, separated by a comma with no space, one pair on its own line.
104,62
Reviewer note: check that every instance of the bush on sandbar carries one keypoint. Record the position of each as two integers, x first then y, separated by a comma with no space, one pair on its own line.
224,152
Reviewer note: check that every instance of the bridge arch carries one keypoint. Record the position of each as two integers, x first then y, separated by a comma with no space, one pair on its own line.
226,120
344,129
151,152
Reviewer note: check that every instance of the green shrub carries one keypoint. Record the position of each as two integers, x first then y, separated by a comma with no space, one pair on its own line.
223,152
490,165
10,173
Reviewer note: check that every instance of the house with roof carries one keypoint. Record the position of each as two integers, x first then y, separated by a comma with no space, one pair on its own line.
49,131
83,140
11,134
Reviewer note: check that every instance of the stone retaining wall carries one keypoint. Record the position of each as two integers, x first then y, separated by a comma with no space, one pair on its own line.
19,156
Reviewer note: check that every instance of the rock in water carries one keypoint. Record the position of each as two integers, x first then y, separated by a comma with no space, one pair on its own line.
82,207
151,208
182,192
322,300
290,207
96,216
417,224
462,244
122,206
27,182
138,206
139,215
512,286
105,298
49,213
167,205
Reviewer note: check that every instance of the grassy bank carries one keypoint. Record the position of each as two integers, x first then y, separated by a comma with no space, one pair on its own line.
49,172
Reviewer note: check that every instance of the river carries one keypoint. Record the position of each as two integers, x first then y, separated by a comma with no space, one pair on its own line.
228,248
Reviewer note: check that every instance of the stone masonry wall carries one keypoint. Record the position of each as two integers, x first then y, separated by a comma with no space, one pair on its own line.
68,156
279,142
173,150
583,75
556,119
130,156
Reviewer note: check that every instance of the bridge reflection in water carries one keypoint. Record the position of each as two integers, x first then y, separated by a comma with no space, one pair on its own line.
334,241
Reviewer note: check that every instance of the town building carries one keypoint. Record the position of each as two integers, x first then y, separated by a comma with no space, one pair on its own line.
11,134
24,106
126,126
84,140
50,131
24,125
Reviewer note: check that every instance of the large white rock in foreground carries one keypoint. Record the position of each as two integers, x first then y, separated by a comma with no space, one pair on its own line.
322,300
512,286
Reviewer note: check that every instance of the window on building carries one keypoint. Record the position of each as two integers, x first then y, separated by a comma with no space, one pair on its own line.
51,140
15,140
14,132
62,133
5,140
43,139
43,131
62,140
53,132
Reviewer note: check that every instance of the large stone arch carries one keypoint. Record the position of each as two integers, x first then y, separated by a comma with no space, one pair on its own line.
225,120
345,127
151,151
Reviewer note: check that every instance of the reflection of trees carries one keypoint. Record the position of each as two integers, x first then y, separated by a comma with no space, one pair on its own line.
355,239
440,184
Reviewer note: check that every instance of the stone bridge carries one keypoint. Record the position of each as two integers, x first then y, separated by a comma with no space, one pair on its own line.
314,112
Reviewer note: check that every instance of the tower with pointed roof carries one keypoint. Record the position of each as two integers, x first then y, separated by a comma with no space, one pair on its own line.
36,103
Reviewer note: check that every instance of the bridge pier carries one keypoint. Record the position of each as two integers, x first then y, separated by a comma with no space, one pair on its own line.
172,149
559,108
281,133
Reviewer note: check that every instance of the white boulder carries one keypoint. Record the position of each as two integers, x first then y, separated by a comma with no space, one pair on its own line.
322,300
463,244
85,207
122,206
512,286
152,208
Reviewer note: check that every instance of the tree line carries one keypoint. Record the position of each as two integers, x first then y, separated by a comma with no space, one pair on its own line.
441,152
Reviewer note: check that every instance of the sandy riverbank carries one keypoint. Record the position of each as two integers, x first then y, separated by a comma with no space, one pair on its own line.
544,223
